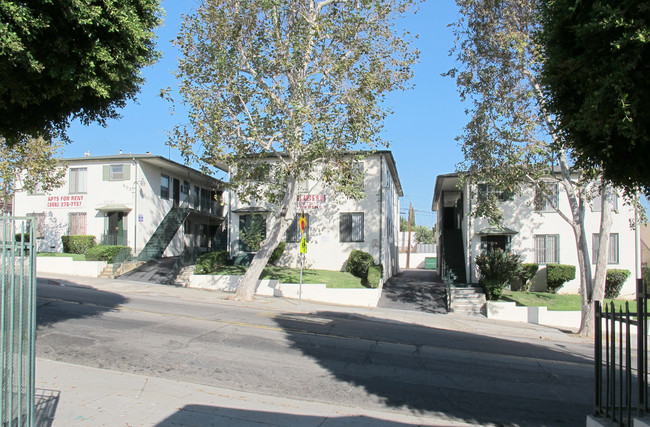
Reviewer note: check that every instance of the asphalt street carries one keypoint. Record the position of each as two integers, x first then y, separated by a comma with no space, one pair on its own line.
442,366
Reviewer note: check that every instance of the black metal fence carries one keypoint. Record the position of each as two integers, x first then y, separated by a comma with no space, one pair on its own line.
621,360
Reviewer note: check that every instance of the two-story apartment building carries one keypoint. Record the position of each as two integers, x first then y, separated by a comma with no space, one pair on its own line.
531,227
335,224
152,204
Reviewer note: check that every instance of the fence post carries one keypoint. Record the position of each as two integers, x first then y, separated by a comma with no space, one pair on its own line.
641,307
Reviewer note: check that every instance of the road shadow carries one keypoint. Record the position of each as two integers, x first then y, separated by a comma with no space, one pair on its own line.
418,290
159,271
56,296
207,416
463,376
45,404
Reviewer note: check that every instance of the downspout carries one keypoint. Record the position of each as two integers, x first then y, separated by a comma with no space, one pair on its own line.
135,209
381,212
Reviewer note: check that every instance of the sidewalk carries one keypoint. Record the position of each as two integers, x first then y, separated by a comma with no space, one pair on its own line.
84,396
78,395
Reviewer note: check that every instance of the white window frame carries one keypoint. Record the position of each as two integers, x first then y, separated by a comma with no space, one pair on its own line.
77,180
542,249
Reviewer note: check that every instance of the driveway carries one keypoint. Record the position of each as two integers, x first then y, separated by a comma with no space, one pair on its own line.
419,290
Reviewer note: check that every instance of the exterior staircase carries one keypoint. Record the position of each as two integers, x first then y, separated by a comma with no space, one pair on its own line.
108,272
454,254
164,234
468,300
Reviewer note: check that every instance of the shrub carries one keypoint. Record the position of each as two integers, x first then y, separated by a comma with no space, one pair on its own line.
77,244
614,282
375,272
22,237
493,289
359,262
496,268
211,262
526,273
558,274
277,252
108,253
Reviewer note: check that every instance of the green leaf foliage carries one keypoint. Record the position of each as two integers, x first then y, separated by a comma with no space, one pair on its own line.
596,74
375,273
526,274
558,274
496,268
64,59
211,262
109,253
614,283
302,83
32,165
359,262
77,244
277,252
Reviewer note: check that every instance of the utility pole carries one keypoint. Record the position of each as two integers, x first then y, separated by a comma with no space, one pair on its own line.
408,248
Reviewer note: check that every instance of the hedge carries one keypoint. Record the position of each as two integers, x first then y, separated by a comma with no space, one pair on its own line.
614,282
375,272
558,274
359,262
107,253
77,244
526,274
277,252
211,262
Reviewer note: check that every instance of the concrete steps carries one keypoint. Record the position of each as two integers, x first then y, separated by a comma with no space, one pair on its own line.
108,272
468,300
183,278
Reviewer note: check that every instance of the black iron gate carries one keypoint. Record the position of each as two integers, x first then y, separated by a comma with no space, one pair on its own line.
621,360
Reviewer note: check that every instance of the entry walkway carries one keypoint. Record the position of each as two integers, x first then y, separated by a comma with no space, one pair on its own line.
419,290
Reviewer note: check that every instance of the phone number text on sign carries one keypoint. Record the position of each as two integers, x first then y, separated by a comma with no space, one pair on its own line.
65,201
311,201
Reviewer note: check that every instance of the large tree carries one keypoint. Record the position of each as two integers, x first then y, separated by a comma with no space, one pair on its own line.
596,67
31,165
511,141
284,89
64,59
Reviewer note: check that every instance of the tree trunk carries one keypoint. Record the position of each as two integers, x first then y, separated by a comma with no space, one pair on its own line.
287,211
597,291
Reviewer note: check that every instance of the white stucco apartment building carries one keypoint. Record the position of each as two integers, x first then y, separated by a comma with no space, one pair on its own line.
123,199
533,230
336,225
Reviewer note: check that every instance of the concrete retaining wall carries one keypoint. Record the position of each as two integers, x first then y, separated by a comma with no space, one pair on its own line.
65,265
536,315
310,292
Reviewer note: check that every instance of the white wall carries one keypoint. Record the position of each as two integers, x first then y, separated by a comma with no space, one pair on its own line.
140,193
520,215
324,249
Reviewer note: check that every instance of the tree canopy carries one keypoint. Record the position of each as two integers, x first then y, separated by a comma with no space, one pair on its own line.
597,62
285,90
32,165
512,142
64,59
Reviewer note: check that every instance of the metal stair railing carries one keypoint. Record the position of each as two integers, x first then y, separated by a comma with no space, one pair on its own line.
164,234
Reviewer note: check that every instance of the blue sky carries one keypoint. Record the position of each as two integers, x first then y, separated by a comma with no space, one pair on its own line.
422,129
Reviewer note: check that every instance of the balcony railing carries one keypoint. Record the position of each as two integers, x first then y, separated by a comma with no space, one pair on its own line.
206,205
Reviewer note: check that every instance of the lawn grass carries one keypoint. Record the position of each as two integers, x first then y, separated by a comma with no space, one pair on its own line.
333,279
75,257
556,302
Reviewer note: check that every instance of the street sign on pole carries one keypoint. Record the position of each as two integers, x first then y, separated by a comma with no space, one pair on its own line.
303,245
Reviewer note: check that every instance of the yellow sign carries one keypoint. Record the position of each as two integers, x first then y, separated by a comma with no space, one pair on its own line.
303,245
